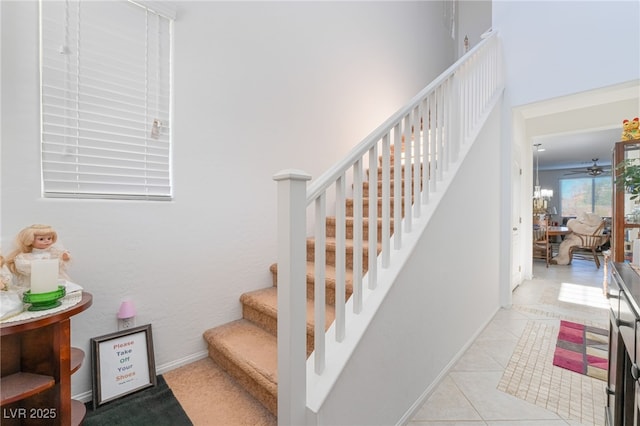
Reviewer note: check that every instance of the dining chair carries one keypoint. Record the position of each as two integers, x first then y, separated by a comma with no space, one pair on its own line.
590,243
541,242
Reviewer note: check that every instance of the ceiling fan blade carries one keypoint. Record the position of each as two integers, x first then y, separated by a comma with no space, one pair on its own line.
594,170
587,172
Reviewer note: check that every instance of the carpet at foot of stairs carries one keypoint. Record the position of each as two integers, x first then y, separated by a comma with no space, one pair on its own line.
209,396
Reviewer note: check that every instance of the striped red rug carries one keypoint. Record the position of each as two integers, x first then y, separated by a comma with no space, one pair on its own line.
583,349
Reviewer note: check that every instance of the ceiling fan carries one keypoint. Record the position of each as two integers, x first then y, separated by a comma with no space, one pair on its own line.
593,170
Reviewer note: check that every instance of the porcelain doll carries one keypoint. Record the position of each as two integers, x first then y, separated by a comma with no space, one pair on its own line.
5,275
10,301
36,242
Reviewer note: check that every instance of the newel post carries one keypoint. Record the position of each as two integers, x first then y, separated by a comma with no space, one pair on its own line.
292,335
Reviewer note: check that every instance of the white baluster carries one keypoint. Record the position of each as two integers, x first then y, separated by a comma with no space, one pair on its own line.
397,187
415,163
357,236
386,188
408,209
320,266
372,273
340,287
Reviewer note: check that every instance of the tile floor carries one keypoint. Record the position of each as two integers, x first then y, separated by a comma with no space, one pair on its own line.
506,377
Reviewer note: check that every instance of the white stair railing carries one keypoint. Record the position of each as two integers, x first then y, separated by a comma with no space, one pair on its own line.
418,144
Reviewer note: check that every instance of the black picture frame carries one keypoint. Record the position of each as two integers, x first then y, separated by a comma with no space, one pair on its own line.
123,363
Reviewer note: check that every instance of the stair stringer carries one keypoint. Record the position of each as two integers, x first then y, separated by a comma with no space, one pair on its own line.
338,354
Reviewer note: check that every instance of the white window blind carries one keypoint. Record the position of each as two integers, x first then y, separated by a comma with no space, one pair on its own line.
106,100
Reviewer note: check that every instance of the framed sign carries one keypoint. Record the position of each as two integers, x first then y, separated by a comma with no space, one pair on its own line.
122,363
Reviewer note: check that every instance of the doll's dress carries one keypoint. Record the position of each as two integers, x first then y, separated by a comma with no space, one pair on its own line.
23,264
6,277
10,297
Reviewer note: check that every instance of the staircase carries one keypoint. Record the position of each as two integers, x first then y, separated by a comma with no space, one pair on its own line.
247,349
439,125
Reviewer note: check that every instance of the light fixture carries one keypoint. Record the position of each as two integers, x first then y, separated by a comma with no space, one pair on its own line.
127,310
126,315
536,187
540,195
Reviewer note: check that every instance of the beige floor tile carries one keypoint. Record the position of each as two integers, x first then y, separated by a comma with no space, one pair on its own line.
447,403
492,355
478,358
527,423
479,389
454,423
447,423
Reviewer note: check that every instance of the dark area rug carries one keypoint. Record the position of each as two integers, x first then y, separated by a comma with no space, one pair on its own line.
582,349
155,406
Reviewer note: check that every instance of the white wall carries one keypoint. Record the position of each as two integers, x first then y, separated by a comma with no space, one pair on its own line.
258,87
474,18
558,50
0,125
447,291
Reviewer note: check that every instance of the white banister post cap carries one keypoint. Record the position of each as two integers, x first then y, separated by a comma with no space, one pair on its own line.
291,174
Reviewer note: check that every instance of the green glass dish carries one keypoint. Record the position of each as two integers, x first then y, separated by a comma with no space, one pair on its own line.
42,301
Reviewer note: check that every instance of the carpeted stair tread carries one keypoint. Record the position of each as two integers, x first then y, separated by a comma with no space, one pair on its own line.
331,252
246,349
210,396
330,276
250,345
331,223
249,354
349,221
365,205
331,244
330,281
365,185
266,302
392,170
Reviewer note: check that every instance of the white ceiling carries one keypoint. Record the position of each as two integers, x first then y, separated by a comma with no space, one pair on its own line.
576,150
575,129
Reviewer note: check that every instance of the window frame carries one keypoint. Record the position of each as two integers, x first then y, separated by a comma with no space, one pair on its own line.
106,125
592,194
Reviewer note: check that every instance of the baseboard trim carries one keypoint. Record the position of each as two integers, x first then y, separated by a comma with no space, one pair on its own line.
84,396
429,390
161,369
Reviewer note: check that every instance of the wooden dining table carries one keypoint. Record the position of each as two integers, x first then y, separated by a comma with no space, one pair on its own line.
558,230
554,233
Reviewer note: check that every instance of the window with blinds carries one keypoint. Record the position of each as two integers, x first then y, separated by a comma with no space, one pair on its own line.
588,194
105,100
